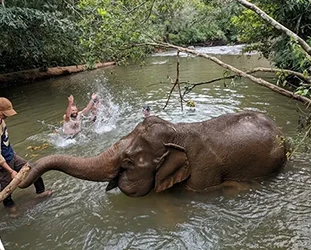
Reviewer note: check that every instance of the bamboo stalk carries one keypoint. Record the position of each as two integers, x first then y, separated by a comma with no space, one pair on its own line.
1,245
15,182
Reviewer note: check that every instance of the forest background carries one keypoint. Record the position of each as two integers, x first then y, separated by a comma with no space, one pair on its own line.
38,34
43,34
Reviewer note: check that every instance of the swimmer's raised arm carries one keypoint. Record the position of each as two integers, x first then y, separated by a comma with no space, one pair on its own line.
90,104
68,110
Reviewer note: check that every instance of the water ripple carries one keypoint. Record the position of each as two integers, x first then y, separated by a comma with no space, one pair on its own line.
270,214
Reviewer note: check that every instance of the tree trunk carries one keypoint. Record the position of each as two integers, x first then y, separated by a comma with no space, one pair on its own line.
37,74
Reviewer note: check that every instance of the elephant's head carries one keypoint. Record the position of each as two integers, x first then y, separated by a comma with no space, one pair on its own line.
145,159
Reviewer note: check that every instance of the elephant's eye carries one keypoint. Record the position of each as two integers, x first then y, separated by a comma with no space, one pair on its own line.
127,164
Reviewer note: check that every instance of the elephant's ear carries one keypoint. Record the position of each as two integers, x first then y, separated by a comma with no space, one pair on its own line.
173,167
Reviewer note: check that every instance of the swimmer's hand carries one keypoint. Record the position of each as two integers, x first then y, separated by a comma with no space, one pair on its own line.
70,99
94,96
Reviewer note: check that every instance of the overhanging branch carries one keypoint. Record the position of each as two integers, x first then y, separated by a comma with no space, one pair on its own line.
307,80
238,72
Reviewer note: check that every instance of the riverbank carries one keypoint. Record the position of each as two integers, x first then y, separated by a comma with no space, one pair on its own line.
32,75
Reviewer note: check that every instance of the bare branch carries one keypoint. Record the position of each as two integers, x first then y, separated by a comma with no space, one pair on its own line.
259,69
177,83
241,73
207,82
177,80
170,94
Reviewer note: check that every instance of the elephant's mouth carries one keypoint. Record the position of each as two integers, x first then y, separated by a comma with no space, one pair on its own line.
113,183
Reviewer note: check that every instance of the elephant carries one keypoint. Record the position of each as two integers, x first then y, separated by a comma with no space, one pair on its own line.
159,154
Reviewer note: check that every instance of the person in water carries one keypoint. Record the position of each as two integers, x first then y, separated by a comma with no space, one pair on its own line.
73,117
146,110
10,162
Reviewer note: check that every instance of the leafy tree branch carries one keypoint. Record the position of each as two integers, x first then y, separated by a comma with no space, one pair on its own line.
277,25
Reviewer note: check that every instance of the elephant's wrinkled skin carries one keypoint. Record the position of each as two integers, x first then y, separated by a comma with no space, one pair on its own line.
158,154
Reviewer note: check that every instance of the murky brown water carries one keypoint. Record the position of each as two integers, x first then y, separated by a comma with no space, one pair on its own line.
81,215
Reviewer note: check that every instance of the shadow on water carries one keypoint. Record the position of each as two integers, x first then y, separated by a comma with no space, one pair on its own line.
270,214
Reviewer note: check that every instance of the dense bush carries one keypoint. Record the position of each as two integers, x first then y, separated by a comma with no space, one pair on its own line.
37,34
279,48
110,30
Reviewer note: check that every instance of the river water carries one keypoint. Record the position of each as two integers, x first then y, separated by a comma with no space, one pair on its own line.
81,215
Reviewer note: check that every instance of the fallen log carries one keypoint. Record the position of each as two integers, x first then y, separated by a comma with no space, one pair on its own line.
39,74
15,182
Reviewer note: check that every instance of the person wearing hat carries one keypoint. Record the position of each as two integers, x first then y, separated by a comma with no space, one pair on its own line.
10,162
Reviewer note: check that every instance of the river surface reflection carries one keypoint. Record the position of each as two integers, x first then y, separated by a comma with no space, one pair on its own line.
80,215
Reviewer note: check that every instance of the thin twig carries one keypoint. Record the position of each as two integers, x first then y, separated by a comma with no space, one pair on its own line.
177,79
240,73
170,94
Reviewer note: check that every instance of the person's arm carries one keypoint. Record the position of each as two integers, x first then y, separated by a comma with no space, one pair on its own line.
90,104
3,163
68,110
11,171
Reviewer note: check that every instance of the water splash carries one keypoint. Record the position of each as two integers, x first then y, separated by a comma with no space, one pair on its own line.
101,119
106,118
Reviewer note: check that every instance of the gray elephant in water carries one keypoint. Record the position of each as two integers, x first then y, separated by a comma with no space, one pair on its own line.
158,154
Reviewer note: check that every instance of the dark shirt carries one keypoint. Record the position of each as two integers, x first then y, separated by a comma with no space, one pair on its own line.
6,150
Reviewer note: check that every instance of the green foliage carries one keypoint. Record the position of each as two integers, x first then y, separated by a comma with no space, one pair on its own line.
39,33
279,48
197,23
42,37
111,29
301,142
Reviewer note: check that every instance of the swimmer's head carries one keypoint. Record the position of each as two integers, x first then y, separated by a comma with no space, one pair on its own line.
146,110
146,107
96,100
74,111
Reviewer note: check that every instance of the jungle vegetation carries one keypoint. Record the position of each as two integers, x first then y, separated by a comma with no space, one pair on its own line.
42,34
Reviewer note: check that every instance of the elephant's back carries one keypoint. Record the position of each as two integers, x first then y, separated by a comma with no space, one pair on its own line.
234,128
237,147
246,120
250,135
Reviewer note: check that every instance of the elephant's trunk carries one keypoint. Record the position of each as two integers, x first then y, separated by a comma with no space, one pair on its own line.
101,168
